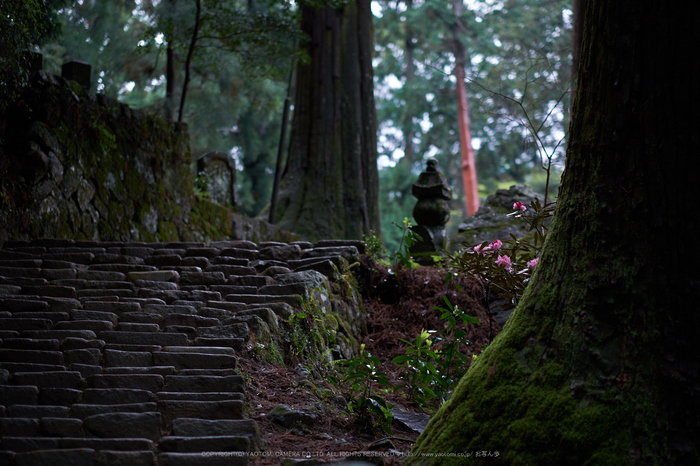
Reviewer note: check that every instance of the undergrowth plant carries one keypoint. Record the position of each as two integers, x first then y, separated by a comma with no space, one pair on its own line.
506,266
375,249
432,372
365,400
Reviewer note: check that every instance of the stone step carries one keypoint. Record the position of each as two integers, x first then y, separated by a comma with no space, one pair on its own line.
78,315
111,258
159,370
37,411
86,370
197,396
138,327
84,356
59,396
111,306
19,324
31,356
25,272
53,316
165,309
204,383
59,334
292,300
61,427
60,449
101,275
152,338
181,444
190,320
136,348
202,278
235,289
227,260
197,459
10,289
116,358
23,263
141,318
94,325
15,305
196,261
188,427
239,253
149,382
155,276
84,258
116,396
57,379
18,395
72,343
167,296
101,293
190,360
234,330
30,344
123,268
124,425
56,291
200,349
235,343
173,409
82,410
13,367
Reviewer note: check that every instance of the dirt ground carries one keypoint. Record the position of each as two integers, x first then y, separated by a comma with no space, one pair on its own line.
398,307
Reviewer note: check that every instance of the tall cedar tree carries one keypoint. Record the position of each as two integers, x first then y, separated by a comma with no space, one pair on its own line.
600,362
330,185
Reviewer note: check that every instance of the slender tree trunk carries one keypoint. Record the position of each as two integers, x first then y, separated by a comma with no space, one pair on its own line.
188,62
330,186
600,362
408,134
169,82
469,179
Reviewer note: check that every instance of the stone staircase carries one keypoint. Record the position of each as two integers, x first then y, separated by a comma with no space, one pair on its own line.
117,353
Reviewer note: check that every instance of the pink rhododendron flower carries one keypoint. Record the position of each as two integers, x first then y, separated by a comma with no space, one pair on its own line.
519,206
533,263
477,248
505,262
496,245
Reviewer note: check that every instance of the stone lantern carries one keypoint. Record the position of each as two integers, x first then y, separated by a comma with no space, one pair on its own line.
431,212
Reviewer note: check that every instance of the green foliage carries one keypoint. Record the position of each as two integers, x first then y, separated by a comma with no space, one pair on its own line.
517,73
365,393
374,247
402,256
201,185
434,363
24,24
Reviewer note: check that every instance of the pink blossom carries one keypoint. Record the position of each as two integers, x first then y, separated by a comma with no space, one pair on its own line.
477,248
519,206
533,263
496,245
505,262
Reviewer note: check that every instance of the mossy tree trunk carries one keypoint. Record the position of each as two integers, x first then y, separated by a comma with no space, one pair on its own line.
330,185
600,362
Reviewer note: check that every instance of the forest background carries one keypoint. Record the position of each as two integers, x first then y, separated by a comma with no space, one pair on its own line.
516,54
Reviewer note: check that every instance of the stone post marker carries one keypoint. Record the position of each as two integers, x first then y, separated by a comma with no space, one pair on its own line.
78,71
431,212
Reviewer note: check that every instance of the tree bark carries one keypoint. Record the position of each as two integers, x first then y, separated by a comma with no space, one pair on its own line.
600,362
188,61
468,165
330,185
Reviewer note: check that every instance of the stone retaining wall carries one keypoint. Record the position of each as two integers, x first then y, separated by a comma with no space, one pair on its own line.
86,167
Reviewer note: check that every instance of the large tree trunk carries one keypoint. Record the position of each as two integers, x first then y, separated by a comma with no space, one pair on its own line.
600,362
330,187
